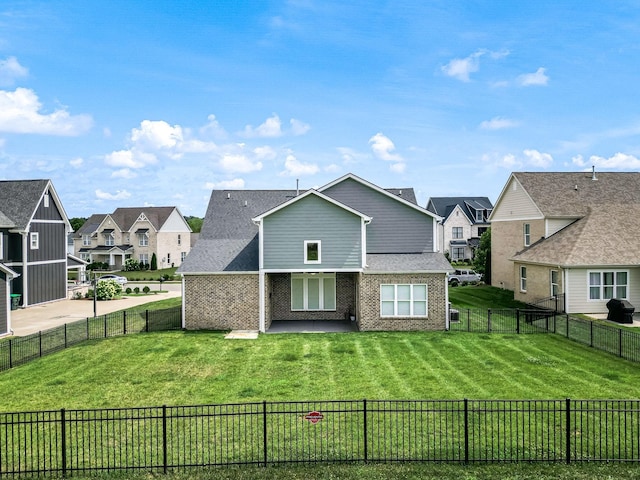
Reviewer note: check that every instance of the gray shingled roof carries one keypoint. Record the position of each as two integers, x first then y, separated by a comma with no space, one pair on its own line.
568,194
125,217
606,235
443,206
407,262
18,201
91,225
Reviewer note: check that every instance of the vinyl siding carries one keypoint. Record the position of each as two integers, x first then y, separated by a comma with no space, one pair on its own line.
312,218
578,290
515,204
556,224
395,227
48,213
52,242
47,282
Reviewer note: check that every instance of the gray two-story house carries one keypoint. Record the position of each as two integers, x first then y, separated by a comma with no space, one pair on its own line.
348,250
33,243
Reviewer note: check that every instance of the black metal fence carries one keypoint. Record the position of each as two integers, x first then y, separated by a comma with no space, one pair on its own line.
20,350
618,341
268,433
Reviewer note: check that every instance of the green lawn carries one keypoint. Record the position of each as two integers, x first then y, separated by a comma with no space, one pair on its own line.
177,368
482,296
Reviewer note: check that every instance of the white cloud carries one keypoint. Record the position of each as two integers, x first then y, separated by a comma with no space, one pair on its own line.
498,123
119,195
133,158
126,173
298,128
619,161
235,184
350,155
239,163
398,167
539,78
538,159
10,70
265,153
461,68
333,168
156,135
19,113
293,167
76,162
271,128
383,147
213,128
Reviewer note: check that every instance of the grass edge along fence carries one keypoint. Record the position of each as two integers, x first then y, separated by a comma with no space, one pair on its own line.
20,350
615,340
160,439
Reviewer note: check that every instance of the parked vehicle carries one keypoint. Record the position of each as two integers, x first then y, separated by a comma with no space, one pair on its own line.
460,276
117,278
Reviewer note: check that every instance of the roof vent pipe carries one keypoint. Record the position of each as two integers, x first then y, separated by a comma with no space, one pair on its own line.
297,187
228,196
593,172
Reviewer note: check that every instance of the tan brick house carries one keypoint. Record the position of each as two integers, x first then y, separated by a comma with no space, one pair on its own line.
134,232
568,236
348,251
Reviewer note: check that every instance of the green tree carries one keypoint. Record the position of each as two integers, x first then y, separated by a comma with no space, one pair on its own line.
195,223
77,222
482,259
154,262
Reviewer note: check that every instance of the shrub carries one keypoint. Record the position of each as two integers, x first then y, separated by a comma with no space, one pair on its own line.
154,262
146,289
128,290
130,265
136,290
108,289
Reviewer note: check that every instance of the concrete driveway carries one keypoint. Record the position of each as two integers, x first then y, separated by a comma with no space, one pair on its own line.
25,321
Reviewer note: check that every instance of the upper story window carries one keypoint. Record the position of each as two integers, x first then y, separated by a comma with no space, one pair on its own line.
526,230
86,240
179,239
143,240
46,200
34,240
479,215
456,232
312,251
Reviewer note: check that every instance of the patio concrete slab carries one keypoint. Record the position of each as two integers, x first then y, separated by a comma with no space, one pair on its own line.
242,335
312,326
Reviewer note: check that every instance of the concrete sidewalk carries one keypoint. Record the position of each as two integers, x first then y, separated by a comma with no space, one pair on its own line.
25,321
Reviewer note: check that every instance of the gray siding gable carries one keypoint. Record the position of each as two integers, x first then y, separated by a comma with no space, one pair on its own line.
396,227
312,218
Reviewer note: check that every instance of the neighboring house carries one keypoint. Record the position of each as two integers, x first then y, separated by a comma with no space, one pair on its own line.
570,236
135,233
33,241
464,220
348,250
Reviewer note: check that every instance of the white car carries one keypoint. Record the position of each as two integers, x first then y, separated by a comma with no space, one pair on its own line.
117,278
460,276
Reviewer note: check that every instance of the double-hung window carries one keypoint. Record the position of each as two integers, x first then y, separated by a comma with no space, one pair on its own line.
523,279
312,251
608,285
456,232
143,240
403,300
34,240
526,231
313,291
555,283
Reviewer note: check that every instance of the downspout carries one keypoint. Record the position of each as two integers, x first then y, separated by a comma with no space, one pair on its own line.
261,279
25,269
446,303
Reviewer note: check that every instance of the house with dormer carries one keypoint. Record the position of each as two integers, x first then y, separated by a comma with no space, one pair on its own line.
348,250
136,233
570,237
33,240
464,220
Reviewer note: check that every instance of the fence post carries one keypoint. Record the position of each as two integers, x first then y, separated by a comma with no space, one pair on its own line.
65,335
164,439
591,334
264,432
105,326
468,319
620,342
365,430
567,325
517,320
146,321
87,328
489,320
124,322
10,353
63,434
466,431
568,428
40,342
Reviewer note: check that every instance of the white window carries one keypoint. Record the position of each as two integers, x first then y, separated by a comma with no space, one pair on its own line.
143,240
109,241
86,240
183,255
456,232
523,279
179,239
313,291
144,258
85,257
555,283
46,200
608,285
34,240
457,253
527,234
312,251
403,300
479,215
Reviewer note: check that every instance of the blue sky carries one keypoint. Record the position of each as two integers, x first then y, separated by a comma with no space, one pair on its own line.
153,102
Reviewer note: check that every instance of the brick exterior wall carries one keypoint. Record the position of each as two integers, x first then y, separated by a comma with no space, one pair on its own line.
507,238
369,316
222,302
279,288
538,282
